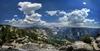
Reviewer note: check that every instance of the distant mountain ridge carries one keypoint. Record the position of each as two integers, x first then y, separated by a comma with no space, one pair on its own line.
76,32
65,32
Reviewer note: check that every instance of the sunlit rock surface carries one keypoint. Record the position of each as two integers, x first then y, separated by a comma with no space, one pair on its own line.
43,39
78,45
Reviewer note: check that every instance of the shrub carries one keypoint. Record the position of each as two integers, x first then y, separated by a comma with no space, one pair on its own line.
86,39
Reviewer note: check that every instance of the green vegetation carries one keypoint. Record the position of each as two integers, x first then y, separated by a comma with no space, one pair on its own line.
86,39
9,34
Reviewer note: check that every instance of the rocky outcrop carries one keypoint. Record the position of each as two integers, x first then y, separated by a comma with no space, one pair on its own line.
38,47
66,48
31,47
41,39
81,46
96,44
77,46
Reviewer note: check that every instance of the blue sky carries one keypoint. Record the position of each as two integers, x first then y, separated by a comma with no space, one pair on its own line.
9,8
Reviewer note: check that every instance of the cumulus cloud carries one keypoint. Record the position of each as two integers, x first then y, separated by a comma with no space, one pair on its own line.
55,13
76,18
31,17
11,21
28,7
51,13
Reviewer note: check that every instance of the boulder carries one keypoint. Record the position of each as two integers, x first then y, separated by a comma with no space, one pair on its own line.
96,44
98,39
66,48
81,46
77,46
30,47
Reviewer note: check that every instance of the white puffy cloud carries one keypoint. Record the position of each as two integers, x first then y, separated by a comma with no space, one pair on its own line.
51,13
76,18
28,7
55,13
15,15
11,21
31,17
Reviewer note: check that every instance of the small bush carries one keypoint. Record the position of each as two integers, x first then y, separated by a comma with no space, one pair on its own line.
86,39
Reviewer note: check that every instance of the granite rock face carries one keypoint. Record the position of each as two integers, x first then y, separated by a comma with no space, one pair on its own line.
81,46
38,47
77,46
32,47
